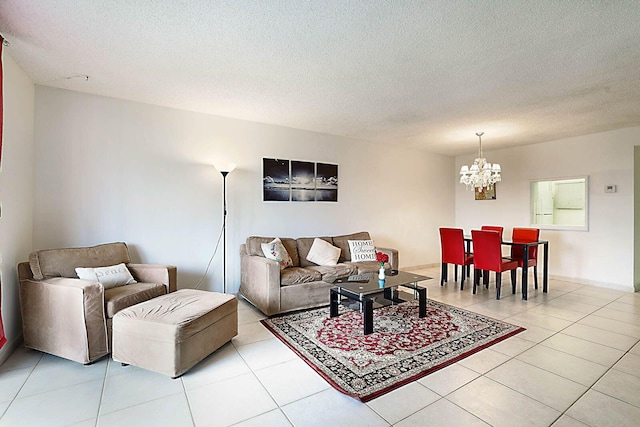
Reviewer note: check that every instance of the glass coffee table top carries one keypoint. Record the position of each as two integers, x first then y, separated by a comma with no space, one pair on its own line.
368,283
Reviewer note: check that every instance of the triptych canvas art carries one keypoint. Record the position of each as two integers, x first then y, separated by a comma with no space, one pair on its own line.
299,181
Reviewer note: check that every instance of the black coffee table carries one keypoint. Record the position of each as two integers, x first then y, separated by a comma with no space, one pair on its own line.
370,293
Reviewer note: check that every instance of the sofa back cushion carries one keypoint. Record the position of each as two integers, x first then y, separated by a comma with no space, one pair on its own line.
63,262
304,245
254,247
342,242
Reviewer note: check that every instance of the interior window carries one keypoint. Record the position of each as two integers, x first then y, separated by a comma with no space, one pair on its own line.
560,203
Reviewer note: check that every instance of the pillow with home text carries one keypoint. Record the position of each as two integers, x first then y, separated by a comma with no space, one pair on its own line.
362,250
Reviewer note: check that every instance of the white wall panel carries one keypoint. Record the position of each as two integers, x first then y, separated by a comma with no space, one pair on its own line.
603,255
109,170
16,191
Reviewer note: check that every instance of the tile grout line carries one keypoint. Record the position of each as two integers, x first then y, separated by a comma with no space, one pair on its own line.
21,387
595,382
186,396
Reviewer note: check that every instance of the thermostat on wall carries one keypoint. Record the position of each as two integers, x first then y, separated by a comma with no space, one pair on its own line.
610,188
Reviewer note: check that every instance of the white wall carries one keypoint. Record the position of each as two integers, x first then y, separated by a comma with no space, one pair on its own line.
109,170
16,192
603,255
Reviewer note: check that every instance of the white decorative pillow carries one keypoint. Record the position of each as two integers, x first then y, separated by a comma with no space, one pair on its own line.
323,253
276,251
110,277
362,250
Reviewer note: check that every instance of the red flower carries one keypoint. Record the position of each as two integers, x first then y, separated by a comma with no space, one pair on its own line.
381,258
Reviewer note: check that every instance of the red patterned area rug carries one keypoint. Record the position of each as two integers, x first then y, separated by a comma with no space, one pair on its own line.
401,349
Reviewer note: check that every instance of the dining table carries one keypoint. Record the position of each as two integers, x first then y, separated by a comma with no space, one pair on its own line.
525,255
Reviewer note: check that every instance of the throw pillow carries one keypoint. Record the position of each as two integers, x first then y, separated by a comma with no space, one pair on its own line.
362,250
110,277
323,253
276,251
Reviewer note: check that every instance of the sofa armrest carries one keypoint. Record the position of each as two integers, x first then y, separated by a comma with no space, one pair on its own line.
154,273
260,283
64,317
393,256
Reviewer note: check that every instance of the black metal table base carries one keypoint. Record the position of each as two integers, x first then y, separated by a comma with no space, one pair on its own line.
366,302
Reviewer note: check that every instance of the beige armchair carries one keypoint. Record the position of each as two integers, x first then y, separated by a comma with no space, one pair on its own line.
71,318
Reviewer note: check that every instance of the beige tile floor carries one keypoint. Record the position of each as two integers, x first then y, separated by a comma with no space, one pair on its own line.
577,364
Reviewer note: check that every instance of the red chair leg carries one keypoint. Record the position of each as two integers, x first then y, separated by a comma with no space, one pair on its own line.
476,279
535,275
443,274
498,283
513,281
485,278
462,276
455,272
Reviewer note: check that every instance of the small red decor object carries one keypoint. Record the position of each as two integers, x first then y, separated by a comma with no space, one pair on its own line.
381,258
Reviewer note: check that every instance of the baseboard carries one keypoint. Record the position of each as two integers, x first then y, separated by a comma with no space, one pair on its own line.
9,348
591,283
420,267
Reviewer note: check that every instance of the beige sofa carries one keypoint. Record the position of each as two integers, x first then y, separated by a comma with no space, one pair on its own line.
71,318
305,285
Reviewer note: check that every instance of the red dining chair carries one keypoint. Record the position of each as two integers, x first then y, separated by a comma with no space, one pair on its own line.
493,228
452,247
526,235
499,229
487,256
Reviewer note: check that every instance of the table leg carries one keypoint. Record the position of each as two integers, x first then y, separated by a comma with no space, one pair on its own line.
422,301
525,272
545,263
333,305
368,315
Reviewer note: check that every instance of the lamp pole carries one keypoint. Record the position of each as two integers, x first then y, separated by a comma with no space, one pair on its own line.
224,169
224,230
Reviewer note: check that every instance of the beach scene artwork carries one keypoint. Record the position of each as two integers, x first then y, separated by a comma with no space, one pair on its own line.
299,181
276,184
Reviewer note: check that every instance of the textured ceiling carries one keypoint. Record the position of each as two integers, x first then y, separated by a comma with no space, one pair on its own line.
426,74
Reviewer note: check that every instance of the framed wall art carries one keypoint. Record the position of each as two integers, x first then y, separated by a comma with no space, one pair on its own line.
275,180
486,193
299,181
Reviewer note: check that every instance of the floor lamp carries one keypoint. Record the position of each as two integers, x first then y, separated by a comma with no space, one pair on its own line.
224,169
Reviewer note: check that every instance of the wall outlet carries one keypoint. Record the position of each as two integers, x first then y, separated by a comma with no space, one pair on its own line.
610,188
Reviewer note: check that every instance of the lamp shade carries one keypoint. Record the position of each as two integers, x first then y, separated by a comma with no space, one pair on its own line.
224,166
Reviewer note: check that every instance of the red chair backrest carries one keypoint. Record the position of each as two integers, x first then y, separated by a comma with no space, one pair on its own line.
452,245
493,228
524,235
487,250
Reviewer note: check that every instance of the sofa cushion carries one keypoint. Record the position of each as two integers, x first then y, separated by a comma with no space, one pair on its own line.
362,250
276,251
365,266
304,245
254,247
343,243
323,253
296,275
110,277
330,274
115,299
63,262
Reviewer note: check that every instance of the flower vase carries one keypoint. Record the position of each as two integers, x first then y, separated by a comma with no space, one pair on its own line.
381,275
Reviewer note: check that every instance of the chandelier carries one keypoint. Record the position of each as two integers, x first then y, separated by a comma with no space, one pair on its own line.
481,174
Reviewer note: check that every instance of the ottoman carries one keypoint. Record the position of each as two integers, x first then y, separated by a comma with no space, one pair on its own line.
169,334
